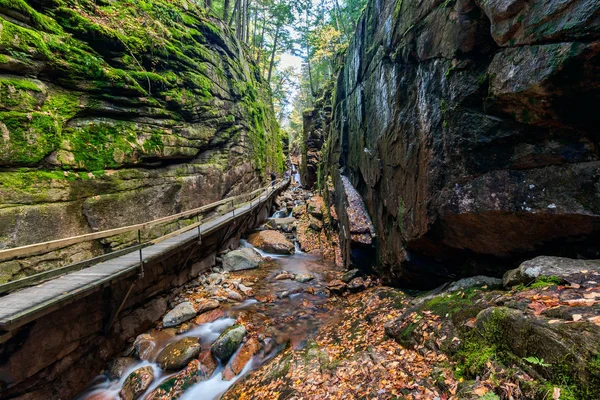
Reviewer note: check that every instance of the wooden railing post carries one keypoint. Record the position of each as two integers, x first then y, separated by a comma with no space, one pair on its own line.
141,257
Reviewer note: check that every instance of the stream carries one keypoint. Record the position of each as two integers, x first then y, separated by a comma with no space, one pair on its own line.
280,313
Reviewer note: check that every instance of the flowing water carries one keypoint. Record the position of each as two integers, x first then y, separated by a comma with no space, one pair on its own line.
284,311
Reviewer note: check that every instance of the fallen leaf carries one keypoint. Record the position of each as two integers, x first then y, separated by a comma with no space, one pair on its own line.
556,393
554,321
592,295
579,302
577,317
480,391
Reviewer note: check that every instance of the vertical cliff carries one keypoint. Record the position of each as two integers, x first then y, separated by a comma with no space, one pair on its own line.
119,112
470,129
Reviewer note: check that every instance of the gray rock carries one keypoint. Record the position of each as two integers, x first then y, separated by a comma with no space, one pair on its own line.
229,341
348,276
177,355
241,259
302,278
568,269
245,289
181,313
480,280
356,285
215,278
118,366
233,295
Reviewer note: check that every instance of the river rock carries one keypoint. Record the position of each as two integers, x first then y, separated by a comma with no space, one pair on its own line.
241,358
144,345
173,387
208,361
480,280
229,341
303,278
215,278
348,276
356,285
209,316
336,286
282,224
284,276
203,305
136,383
245,289
271,242
241,259
567,269
176,355
181,313
118,366
233,295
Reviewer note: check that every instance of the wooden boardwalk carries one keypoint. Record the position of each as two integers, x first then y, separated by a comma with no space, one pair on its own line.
24,306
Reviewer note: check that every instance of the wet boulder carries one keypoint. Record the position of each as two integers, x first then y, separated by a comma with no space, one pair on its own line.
136,383
241,259
204,305
336,286
303,278
348,276
173,387
144,345
480,280
118,366
356,285
284,276
565,269
241,358
271,242
181,313
176,355
229,341
209,316
208,361
233,295
286,225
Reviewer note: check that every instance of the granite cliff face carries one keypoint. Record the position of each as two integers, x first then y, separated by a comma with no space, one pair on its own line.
470,128
107,105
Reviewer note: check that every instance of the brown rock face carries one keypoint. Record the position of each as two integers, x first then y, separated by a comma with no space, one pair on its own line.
240,359
271,242
469,129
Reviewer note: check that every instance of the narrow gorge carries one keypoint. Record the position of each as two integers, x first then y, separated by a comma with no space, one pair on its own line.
278,199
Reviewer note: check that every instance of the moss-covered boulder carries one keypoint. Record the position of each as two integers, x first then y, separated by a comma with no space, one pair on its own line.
229,341
136,383
178,354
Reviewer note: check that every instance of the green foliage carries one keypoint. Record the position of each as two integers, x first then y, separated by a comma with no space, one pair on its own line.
536,361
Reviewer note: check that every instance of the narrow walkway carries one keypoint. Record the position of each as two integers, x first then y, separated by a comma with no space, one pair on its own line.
24,306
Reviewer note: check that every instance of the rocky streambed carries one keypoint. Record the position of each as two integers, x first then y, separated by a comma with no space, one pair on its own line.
279,319
262,297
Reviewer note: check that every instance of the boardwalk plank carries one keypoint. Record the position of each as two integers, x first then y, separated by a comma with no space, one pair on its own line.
33,302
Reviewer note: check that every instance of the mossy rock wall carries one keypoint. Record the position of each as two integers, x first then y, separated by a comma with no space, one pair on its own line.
150,102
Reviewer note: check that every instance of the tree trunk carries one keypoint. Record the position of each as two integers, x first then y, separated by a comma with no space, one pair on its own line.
238,20
226,7
262,39
272,63
248,20
235,12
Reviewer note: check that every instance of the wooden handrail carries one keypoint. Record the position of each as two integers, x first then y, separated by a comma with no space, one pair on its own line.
37,248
